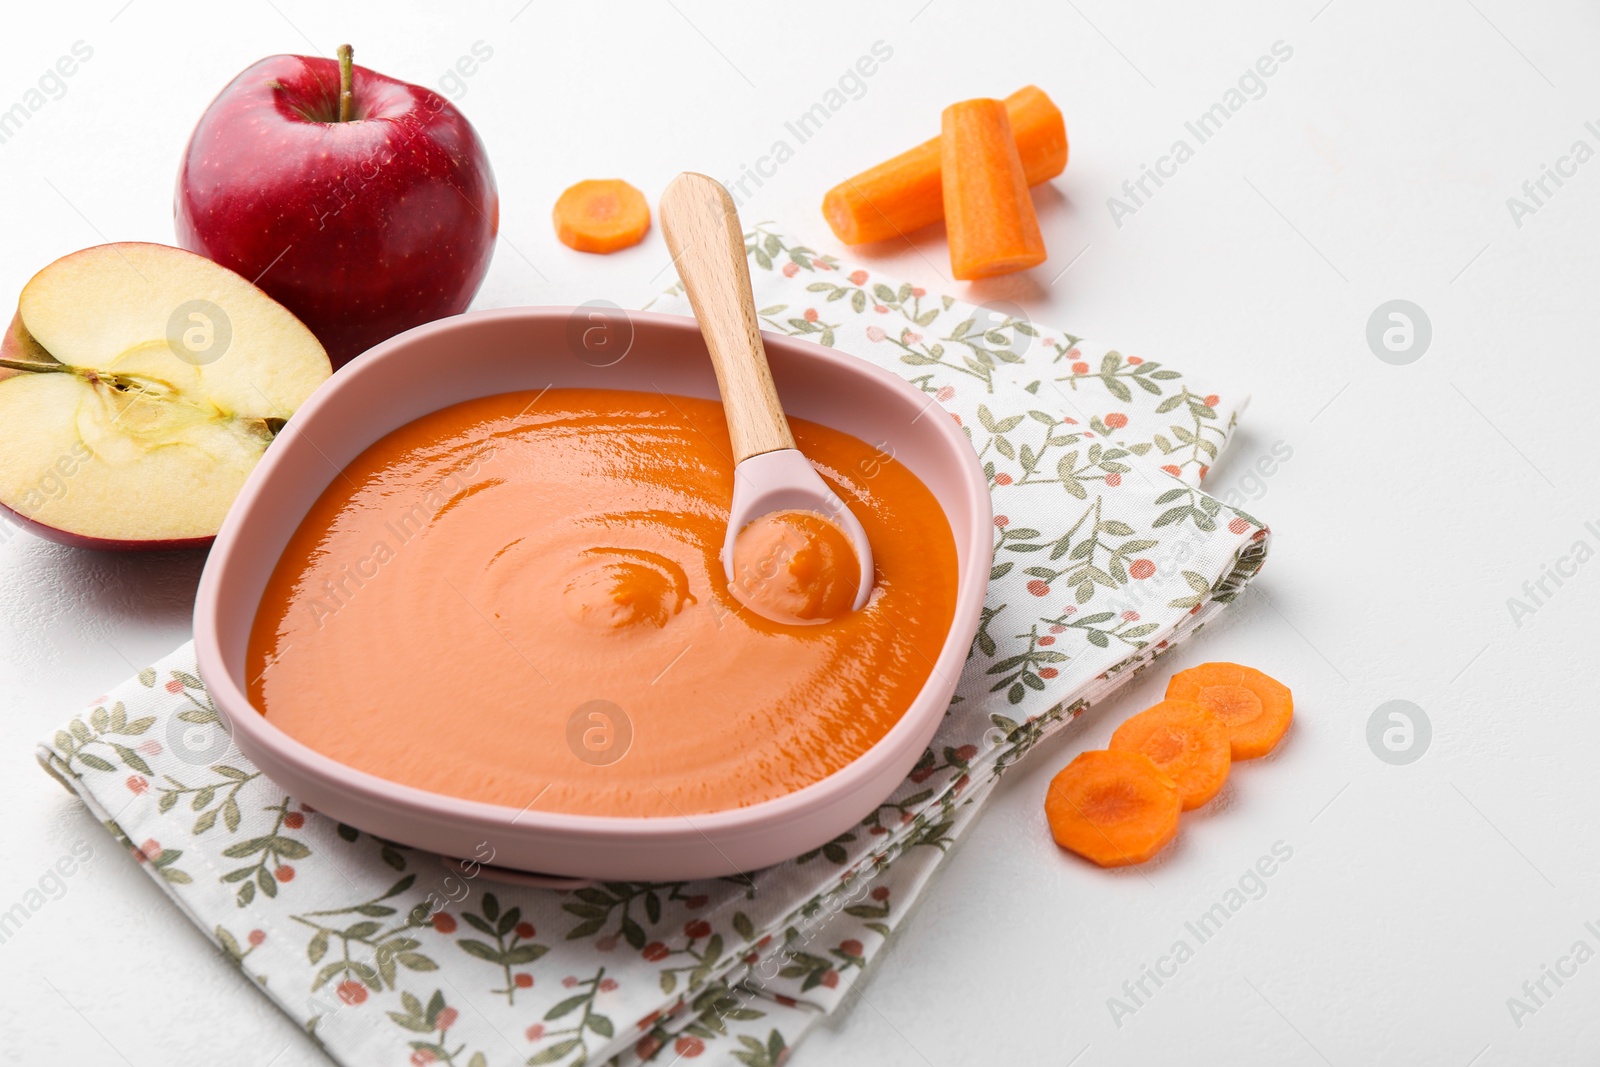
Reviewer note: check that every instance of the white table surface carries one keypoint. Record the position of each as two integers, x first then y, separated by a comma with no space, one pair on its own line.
1418,498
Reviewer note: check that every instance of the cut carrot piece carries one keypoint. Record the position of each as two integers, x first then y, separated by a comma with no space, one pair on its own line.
1188,743
1256,708
988,213
1112,808
905,193
601,216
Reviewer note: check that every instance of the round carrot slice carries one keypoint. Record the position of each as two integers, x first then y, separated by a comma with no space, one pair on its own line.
1256,708
1112,808
1188,743
601,215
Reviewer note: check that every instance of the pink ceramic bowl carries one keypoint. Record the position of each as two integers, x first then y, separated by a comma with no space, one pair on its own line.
488,352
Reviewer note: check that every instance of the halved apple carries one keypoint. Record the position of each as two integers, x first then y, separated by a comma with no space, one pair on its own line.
139,385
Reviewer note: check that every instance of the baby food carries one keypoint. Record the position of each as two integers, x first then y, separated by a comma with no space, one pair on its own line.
518,600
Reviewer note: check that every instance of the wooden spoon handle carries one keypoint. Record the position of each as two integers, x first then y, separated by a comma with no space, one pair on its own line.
703,233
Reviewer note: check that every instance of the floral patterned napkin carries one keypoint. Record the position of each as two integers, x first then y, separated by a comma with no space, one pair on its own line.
1107,554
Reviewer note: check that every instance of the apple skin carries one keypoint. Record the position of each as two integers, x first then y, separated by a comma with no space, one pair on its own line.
363,229
103,544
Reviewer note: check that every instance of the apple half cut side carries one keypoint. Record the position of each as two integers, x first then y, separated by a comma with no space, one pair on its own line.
139,385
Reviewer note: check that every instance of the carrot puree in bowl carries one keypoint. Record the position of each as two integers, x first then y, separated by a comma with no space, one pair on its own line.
518,600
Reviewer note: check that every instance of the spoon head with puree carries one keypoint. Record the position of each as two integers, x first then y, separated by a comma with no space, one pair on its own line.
794,553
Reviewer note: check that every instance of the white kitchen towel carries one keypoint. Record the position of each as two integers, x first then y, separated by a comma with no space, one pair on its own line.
1107,554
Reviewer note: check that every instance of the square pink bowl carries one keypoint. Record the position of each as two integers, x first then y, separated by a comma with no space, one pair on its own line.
488,352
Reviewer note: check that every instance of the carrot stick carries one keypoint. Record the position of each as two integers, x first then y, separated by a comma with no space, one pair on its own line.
1112,808
1256,708
1188,743
601,216
905,193
988,213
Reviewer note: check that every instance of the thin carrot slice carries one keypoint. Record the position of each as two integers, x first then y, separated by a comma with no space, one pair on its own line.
1188,743
601,215
1112,808
1256,708
988,214
906,193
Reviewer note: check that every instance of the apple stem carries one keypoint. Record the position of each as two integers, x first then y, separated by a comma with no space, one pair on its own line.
33,365
346,76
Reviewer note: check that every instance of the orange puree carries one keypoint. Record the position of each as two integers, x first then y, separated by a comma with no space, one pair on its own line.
796,567
519,600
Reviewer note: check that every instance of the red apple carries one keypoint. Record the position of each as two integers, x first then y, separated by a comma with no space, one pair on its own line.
362,227
139,385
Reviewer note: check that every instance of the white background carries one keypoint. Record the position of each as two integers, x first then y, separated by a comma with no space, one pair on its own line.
1418,498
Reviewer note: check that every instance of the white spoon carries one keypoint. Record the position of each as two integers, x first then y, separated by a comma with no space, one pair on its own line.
703,233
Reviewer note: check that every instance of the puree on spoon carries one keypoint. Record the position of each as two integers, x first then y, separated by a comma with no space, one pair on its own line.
795,567
480,578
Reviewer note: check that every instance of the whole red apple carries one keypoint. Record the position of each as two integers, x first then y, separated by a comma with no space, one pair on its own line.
363,226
